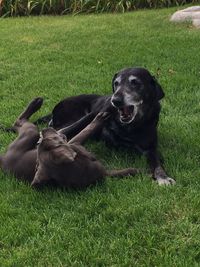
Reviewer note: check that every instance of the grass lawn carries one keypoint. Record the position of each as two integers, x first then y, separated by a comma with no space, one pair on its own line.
130,222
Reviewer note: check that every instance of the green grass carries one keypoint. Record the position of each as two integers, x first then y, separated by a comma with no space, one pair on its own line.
130,222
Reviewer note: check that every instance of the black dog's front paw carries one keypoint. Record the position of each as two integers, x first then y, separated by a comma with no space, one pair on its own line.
165,181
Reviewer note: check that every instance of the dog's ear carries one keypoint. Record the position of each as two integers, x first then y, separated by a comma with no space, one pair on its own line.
113,80
63,154
40,178
159,91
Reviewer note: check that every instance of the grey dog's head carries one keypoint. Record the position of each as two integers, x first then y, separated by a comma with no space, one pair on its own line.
132,89
50,138
53,148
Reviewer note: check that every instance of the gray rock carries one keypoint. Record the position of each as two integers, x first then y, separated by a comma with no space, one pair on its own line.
192,8
189,14
196,23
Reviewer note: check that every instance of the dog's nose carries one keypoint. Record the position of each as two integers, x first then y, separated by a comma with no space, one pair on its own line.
117,101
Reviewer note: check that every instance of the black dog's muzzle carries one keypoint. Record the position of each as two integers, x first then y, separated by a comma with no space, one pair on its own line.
127,113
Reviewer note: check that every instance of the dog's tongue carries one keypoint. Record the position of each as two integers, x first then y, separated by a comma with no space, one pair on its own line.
126,111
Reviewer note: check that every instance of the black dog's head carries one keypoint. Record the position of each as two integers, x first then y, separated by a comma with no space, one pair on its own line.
132,89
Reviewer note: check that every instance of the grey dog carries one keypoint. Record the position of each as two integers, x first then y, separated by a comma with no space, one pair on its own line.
55,161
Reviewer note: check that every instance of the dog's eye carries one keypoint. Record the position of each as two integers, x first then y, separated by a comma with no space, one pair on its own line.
116,83
134,82
63,136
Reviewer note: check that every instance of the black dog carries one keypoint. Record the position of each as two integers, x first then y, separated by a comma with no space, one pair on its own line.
135,112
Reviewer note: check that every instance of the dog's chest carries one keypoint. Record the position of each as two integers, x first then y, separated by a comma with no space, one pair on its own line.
126,136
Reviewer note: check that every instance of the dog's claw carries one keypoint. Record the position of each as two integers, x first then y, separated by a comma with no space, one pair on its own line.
102,116
165,181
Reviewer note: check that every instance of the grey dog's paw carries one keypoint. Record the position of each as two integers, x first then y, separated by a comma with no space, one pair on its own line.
32,107
102,116
165,181
36,104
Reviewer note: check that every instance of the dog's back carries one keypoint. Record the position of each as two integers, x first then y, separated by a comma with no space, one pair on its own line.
20,165
81,105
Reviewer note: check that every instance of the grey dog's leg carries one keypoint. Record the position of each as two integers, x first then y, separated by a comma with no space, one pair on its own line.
88,131
27,139
32,107
28,134
77,126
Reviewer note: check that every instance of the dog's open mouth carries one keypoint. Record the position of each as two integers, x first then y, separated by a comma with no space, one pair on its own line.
127,113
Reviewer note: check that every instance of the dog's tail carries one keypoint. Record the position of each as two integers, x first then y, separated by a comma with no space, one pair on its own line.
123,173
